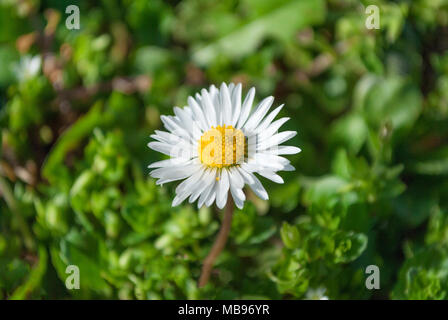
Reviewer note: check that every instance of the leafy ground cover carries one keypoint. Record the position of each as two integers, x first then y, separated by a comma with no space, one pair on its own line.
77,108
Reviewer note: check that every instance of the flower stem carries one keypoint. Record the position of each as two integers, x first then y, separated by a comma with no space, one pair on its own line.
219,244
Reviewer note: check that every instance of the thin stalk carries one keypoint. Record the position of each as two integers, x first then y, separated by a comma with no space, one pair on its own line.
219,244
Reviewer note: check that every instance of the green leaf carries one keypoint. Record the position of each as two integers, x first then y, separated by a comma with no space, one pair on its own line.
349,246
423,276
349,131
150,59
290,235
69,140
34,279
389,101
90,269
325,188
246,38
415,206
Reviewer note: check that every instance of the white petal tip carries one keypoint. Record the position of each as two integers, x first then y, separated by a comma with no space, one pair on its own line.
175,203
264,196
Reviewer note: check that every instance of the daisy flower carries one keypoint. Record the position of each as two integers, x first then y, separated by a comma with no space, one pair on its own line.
316,294
217,143
28,67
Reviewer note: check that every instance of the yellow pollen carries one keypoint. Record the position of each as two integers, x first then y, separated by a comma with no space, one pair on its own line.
222,147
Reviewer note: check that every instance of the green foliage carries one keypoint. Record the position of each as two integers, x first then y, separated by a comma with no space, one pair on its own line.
370,187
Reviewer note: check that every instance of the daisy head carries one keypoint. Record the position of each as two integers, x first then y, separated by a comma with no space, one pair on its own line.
217,143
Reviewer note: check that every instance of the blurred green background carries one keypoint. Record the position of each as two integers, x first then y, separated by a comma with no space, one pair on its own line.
370,187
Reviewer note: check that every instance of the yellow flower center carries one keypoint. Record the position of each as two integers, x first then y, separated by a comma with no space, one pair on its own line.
222,147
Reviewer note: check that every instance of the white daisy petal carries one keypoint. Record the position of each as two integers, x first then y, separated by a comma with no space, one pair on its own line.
174,128
254,184
168,163
185,188
244,174
276,140
184,118
252,166
214,98
245,109
177,173
285,150
198,114
179,198
206,181
209,109
168,138
265,161
272,129
236,178
223,189
236,104
207,191
226,104
258,114
180,150
268,120
267,165
188,183
159,138
212,195
204,195
231,86
236,185
238,196
271,176
161,147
